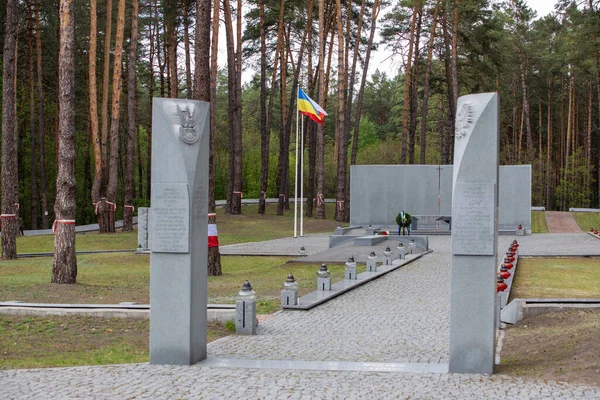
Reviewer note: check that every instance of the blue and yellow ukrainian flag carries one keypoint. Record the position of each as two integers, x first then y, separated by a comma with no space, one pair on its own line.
310,108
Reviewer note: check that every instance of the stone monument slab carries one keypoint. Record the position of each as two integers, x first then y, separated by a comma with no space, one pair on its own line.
178,228
474,235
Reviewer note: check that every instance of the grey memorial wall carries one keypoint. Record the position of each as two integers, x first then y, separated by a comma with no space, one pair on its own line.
178,259
379,192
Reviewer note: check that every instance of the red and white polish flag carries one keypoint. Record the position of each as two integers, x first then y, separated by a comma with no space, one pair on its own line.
213,237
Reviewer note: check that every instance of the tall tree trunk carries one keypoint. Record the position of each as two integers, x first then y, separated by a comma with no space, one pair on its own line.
160,58
340,214
138,146
104,114
41,135
205,90
452,85
186,43
64,268
526,105
32,131
549,150
425,107
231,101
569,136
237,140
153,38
414,89
320,202
10,180
170,17
588,155
131,121
597,68
86,192
111,192
350,97
407,82
93,92
359,101
283,149
541,142
265,135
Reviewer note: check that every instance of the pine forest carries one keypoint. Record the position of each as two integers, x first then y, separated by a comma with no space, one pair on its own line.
79,78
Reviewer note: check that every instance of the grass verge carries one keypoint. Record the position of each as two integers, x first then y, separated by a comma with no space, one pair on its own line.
557,278
587,220
115,277
60,341
538,222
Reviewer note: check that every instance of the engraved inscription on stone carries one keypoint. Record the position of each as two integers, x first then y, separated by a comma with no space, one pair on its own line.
473,219
170,218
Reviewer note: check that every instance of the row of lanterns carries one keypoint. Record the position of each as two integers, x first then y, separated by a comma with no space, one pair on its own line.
506,266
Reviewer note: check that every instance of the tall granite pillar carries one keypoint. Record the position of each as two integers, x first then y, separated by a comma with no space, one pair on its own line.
178,260
474,234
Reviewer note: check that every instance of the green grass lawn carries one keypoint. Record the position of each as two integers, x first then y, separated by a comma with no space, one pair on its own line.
538,222
58,341
112,278
587,220
247,227
557,278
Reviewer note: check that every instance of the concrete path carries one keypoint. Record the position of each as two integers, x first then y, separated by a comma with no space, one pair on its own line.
363,344
561,222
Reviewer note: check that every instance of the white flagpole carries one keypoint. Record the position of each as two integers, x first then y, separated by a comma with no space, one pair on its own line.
296,172
302,180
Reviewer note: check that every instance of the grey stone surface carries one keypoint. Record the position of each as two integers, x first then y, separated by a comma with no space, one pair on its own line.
379,192
401,251
143,228
371,264
350,271
178,277
245,317
324,284
514,197
474,235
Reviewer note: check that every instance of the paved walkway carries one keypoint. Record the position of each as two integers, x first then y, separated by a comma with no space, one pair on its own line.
400,319
561,222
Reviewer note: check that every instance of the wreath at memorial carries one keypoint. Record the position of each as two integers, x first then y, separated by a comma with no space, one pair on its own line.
403,220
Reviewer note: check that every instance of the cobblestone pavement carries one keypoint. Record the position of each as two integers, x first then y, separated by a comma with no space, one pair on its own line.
561,222
402,317
141,381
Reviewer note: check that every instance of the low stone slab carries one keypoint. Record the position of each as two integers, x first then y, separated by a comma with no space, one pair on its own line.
369,240
519,309
215,312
